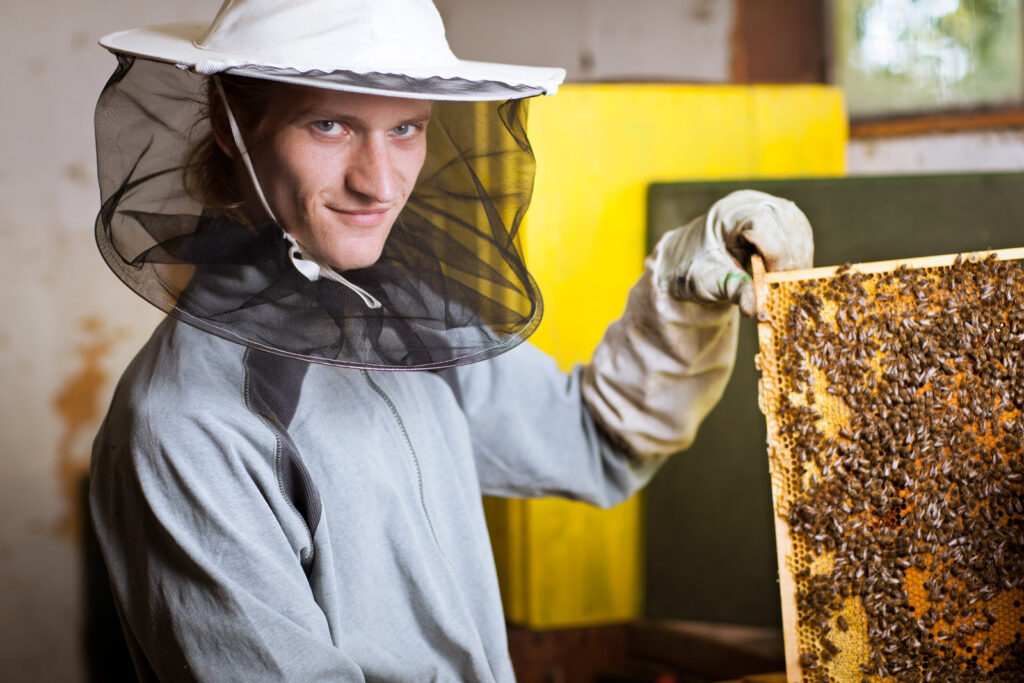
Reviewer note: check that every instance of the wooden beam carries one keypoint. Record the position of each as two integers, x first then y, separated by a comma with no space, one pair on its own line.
710,651
889,266
937,123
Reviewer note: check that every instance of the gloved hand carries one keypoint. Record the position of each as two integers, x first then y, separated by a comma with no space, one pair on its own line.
663,365
707,260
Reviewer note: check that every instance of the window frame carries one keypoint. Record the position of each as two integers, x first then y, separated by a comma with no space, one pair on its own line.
799,49
939,120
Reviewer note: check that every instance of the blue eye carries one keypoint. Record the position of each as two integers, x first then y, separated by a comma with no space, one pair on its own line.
328,127
404,130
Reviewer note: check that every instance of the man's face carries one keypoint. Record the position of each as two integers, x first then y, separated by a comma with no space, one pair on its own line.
338,167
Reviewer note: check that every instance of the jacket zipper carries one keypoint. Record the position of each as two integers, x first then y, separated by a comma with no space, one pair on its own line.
412,453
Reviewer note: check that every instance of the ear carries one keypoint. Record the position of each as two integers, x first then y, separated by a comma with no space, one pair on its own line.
220,126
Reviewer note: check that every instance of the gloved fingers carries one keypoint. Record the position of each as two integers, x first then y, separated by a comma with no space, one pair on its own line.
711,277
780,233
705,259
737,286
747,302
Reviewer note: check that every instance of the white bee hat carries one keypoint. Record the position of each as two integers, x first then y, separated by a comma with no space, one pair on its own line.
450,287
395,47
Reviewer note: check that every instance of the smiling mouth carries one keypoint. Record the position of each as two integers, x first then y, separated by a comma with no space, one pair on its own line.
361,217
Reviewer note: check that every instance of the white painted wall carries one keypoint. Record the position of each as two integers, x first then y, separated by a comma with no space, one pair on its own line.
597,39
946,153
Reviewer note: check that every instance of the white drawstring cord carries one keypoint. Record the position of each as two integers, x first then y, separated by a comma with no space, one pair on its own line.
240,143
313,270
310,268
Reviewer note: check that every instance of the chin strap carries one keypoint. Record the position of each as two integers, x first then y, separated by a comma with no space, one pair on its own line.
314,270
310,268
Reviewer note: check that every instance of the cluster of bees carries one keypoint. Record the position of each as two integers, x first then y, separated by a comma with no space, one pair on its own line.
899,470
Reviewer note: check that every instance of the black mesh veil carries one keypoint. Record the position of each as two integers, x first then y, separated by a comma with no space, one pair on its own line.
451,279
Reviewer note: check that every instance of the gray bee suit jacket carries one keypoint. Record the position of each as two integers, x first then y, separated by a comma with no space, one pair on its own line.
268,519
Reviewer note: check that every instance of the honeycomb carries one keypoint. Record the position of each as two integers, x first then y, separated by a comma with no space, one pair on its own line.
893,394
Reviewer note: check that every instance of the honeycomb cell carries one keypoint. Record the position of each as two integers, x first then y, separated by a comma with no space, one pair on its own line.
894,398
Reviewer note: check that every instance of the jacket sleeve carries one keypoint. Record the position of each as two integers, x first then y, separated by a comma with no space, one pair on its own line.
534,437
660,369
599,432
203,555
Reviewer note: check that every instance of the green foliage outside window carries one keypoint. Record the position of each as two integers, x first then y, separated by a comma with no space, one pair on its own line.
920,56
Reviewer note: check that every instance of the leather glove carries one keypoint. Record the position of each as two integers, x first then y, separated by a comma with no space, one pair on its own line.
707,260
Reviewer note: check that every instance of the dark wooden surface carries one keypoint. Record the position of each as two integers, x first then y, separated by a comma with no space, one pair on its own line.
575,655
646,651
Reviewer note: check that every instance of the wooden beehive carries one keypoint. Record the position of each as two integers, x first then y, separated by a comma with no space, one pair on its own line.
894,394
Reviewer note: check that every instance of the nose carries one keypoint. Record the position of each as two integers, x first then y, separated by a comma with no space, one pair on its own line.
372,173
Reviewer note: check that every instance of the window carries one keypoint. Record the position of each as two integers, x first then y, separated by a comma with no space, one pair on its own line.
901,57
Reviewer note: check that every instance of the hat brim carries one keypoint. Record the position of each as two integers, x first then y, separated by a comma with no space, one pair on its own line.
461,80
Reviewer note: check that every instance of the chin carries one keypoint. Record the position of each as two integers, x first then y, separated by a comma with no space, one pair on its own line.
342,250
355,259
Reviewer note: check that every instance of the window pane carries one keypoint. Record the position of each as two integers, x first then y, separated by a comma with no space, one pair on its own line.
898,56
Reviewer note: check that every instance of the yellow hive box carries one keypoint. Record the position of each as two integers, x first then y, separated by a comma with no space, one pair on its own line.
893,394
598,147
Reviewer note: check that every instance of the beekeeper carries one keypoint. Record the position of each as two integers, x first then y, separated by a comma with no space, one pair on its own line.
319,193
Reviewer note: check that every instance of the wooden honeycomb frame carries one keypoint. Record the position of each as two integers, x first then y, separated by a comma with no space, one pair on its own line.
805,401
